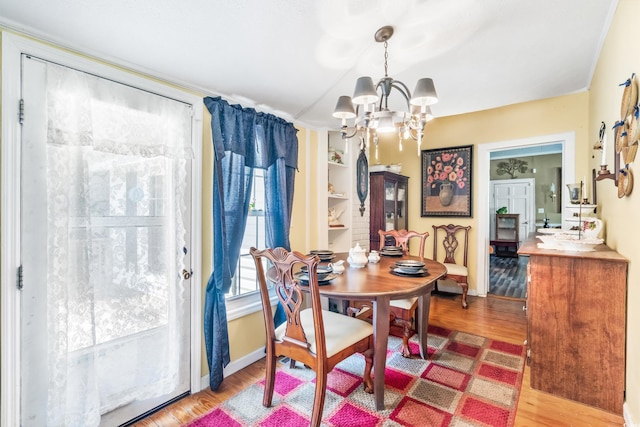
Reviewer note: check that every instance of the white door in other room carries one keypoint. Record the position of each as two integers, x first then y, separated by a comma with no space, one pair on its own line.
518,196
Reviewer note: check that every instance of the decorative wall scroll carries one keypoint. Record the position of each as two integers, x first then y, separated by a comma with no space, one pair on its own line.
362,170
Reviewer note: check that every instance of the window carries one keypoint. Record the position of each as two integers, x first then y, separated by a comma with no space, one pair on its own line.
243,295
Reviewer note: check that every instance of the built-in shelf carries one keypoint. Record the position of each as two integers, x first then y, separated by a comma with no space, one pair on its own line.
337,165
338,188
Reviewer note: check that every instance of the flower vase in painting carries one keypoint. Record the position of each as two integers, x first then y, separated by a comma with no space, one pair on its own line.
447,173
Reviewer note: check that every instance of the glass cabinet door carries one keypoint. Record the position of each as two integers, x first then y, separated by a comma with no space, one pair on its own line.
401,206
389,205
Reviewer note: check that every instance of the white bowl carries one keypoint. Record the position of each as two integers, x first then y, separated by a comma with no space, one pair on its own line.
572,243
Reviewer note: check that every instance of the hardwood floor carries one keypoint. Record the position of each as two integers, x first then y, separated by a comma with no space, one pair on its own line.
494,318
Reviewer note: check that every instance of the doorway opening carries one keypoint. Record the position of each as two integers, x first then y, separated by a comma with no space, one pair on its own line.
535,151
514,204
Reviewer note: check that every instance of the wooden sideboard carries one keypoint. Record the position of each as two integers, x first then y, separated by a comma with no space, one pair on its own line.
576,313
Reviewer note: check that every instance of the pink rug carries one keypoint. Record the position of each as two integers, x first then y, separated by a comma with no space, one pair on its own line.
468,381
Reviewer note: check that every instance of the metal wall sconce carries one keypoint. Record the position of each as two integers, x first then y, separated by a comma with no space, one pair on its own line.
604,172
552,192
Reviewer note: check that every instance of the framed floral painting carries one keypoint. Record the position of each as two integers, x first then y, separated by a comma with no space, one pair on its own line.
446,181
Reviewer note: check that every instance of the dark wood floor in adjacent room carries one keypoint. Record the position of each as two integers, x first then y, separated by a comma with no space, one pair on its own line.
508,276
494,318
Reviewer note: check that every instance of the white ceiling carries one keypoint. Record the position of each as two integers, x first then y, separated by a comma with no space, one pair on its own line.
294,58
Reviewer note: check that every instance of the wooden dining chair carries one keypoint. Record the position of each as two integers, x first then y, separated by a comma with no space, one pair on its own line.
453,237
402,238
402,311
317,338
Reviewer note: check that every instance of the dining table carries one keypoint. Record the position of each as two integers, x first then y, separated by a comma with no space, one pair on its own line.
380,283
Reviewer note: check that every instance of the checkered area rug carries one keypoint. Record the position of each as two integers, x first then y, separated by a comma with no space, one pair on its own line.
468,380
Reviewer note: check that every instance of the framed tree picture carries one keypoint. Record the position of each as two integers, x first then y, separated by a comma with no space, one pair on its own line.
446,181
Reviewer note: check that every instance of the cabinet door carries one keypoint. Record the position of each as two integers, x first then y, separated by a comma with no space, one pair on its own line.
390,205
507,227
401,206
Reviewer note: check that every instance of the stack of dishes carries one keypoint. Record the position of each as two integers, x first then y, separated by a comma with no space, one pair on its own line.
325,275
324,255
409,267
391,251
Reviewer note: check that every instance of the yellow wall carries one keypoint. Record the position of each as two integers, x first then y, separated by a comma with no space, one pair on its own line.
549,116
207,221
304,200
616,63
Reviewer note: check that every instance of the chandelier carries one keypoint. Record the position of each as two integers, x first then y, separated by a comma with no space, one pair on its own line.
370,107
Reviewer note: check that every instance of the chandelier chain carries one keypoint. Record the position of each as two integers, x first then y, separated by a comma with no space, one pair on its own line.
386,57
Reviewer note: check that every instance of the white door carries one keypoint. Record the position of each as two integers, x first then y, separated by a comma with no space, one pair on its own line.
518,197
105,235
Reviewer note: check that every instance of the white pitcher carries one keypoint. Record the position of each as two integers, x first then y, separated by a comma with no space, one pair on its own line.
337,267
592,227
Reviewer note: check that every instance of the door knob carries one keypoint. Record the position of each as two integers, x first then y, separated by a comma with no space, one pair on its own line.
186,275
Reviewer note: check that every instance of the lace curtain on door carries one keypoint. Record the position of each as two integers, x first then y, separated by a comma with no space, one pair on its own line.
116,167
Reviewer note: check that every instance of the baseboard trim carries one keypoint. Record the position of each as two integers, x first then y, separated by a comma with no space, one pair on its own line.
626,414
236,365
452,287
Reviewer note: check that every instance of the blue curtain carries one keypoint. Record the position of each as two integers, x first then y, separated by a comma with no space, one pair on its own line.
243,139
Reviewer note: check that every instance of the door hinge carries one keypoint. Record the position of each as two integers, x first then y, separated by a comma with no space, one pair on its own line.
21,112
19,282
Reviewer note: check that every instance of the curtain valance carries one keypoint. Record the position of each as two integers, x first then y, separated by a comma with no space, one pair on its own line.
261,138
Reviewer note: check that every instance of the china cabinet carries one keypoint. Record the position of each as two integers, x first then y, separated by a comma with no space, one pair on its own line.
576,311
507,235
388,204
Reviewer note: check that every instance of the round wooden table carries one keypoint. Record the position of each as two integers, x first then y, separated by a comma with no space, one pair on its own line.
376,283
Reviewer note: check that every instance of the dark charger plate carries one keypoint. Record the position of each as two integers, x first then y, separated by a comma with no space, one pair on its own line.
304,278
391,253
398,271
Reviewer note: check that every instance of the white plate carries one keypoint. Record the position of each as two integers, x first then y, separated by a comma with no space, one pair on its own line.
410,263
550,230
